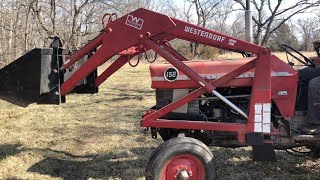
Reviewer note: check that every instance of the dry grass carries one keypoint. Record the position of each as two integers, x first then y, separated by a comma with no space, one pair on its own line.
98,137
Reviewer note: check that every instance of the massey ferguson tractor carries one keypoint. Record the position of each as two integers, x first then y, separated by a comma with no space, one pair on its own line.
256,101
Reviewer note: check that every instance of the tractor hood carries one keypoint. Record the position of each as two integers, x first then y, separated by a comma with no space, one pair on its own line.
168,77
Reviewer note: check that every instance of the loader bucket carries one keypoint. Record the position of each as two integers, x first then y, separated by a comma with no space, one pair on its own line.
35,77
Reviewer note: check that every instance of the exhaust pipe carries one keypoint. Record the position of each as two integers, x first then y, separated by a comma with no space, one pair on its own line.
248,22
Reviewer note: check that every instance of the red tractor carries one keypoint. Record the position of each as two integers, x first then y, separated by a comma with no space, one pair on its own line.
257,101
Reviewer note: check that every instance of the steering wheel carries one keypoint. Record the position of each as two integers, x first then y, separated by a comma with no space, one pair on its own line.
305,61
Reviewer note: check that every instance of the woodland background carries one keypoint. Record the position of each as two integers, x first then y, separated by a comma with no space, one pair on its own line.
26,24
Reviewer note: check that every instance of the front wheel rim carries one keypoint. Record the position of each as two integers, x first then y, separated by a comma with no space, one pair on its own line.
183,167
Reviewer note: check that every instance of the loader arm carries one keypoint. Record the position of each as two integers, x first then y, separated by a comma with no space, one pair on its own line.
118,37
143,30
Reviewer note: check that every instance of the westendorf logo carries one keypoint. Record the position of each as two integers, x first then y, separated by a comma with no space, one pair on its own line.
134,22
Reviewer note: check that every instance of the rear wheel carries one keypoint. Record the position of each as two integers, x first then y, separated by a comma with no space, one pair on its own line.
181,158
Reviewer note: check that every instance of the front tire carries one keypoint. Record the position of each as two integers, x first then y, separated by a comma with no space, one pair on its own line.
181,158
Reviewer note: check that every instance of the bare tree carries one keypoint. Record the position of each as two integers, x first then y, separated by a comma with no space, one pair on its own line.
237,28
75,21
26,24
221,19
122,7
309,29
270,15
204,11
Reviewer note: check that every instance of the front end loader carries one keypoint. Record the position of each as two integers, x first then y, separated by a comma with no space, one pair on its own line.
245,102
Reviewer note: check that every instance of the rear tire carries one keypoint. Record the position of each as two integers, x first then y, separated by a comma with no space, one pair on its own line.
181,154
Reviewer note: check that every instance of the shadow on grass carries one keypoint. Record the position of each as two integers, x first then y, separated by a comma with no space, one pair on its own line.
103,166
7,150
124,165
17,99
237,164
231,164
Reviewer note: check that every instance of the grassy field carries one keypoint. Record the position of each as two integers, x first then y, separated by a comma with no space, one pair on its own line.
98,137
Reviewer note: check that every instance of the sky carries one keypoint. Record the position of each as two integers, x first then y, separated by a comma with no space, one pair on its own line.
179,2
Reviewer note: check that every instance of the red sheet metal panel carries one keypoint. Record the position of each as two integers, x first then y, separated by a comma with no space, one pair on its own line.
283,79
209,69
